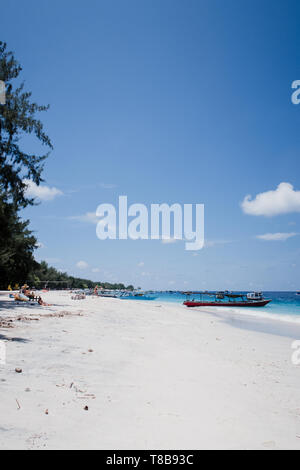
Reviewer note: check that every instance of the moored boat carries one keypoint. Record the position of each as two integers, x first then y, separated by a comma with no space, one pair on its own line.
225,299
138,295
108,293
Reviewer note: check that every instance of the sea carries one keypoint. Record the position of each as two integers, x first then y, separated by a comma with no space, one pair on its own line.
284,305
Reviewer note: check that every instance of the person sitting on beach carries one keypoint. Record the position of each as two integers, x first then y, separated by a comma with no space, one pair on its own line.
21,298
42,303
31,296
24,290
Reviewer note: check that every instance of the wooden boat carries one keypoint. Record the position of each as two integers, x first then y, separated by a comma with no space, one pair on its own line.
108,293
225,299
138,296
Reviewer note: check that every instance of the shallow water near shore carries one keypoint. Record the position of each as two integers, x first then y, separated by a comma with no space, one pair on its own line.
284,306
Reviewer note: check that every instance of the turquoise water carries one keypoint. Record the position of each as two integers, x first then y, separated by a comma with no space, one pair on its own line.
284,305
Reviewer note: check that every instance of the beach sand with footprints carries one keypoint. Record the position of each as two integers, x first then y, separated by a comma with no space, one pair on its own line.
118,374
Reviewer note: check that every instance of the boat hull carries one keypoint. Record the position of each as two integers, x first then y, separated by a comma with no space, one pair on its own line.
253,303
108,296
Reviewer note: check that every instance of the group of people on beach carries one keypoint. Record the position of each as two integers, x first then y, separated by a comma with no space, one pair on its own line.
27,295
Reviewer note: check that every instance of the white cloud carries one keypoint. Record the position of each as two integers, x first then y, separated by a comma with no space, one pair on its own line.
89,217
141,264
211,243
82,265
95,270
276,236
40,245
167,241
44,193
281,201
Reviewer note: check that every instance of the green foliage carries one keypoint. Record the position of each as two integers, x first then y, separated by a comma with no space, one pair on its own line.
45,276
18,118
16,247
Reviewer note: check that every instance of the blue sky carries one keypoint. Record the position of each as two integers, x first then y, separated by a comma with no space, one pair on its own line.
166,101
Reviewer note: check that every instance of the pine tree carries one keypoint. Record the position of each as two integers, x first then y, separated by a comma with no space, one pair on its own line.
17,119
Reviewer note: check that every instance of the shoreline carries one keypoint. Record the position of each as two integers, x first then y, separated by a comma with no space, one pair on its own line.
247,314
153,375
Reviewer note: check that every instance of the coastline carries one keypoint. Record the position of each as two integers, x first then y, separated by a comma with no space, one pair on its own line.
154,375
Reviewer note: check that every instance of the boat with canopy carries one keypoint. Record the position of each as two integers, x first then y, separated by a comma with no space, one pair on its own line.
225,299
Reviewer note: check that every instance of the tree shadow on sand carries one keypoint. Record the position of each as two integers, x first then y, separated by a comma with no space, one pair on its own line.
6,308
14,339
6,305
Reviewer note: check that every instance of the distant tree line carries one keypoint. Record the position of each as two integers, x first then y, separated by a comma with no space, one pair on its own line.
17,263
46,276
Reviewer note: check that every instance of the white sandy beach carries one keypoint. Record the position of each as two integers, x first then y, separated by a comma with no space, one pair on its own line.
153,376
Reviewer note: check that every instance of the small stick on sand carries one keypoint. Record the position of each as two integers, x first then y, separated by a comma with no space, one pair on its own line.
19,406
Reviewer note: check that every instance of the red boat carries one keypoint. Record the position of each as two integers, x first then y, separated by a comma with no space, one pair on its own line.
225,299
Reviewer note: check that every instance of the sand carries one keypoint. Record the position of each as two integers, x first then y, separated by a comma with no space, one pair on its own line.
120,374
